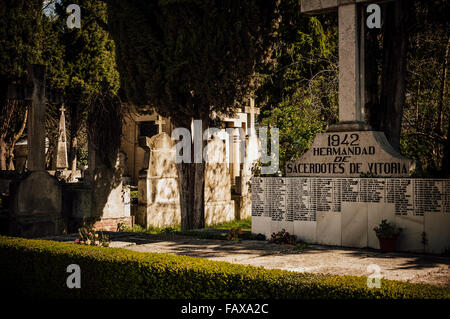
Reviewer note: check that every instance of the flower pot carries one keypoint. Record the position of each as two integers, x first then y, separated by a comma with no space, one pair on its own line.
387,245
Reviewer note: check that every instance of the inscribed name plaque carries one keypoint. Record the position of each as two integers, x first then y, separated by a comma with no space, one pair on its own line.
350,154
344,211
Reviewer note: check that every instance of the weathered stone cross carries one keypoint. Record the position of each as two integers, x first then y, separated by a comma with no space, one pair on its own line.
37,94
351,59
160,123
251,111
36,119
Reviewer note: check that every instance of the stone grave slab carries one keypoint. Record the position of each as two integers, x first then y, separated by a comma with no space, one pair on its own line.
36,205
219,207
262,225
329,228
276,226
354,225
158,191
344,211
261,220
376,212
411,236
436,227
306,231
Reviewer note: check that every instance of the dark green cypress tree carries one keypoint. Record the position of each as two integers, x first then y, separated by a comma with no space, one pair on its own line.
187,58
88,55
20,45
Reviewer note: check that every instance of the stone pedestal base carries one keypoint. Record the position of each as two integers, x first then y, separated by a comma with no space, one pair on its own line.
36,206
107,224
36,225
77,209
219,212
243,206
110,224
77,200
158,215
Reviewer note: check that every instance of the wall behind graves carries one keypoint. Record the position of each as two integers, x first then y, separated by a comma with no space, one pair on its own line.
344,211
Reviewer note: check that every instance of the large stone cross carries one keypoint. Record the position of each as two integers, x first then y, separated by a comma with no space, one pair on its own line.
36,119
35,92
351,59
349,148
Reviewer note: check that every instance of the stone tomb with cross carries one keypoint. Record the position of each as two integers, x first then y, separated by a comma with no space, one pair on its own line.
158,190
41,204
36,196
349,148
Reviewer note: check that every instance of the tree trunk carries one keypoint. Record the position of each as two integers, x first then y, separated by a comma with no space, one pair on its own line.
446,158
191,178
395,48
3,154
6,115
442,102
191,183
14,140
443,90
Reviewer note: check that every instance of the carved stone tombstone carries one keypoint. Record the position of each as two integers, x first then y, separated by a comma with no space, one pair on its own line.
218,204
158,190
109,199
252,147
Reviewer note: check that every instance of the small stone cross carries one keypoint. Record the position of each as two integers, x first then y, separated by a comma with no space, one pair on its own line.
160,121
251,111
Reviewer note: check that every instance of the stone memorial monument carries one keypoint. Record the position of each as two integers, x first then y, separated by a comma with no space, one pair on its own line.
349,148
110,201
351,178
158,190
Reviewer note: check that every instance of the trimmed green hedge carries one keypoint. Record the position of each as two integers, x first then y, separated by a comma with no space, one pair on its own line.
36,268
